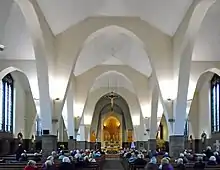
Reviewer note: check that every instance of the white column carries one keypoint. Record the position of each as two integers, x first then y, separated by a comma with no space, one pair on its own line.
82,133
147,128
70,112
183,83
170,110
45,104
153,118
44,93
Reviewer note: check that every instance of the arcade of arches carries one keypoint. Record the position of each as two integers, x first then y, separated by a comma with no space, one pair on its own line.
105,77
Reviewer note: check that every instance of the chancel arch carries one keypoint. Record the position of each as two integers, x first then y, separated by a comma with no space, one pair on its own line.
94,97
119,110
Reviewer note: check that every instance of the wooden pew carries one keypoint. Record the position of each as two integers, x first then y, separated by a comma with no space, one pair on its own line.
20,166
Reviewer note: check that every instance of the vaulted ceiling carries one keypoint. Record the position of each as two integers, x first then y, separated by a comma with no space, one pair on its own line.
60,15
113,80
165,15
113,46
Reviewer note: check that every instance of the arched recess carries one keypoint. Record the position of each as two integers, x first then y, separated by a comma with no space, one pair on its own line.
198,118
94,97
24,105
103,107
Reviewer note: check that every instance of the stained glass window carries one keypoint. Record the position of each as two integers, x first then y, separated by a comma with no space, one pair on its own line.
215,99
6,103
186,129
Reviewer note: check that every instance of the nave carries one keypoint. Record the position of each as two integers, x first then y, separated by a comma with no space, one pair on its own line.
109,76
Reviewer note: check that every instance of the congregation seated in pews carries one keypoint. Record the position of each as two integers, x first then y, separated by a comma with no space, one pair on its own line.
152,160
60,160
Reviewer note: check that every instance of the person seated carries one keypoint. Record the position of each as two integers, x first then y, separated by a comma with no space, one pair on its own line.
37,158
19,151
165,164
97,154
31,165
61,155
208,152
91,158
132,158
23,157
212,161
185,160
48,165
166,155
216,154
78,154
127,155
180,164
199,165
66,164
54,154
152,165
140,160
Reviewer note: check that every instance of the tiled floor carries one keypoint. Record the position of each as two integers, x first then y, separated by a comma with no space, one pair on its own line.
113,165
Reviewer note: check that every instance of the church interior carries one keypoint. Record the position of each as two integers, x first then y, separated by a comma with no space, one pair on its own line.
106,75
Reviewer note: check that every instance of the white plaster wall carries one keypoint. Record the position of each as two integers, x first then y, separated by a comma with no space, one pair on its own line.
193,117
204,110
25,110
20,109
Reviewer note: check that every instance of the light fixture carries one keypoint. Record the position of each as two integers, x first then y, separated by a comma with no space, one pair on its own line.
2,47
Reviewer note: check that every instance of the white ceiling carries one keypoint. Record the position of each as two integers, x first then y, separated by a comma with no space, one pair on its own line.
113,80
208,41
113,48
166,15
14,34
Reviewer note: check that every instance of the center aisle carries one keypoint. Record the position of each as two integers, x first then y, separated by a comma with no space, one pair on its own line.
113,164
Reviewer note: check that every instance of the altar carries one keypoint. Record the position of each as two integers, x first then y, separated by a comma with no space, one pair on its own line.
111,134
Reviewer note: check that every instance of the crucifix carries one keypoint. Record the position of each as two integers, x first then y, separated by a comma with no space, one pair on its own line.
217,145
112,96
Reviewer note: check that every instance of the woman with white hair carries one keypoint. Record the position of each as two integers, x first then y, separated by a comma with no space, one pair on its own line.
152,165
66,164
185,160
212,161
180,164
165,164
48,165
31,165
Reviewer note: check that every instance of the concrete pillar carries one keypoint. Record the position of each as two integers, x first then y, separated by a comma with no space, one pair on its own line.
177,139
49,140
71,143
70,118
49,144
153,120
176,145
